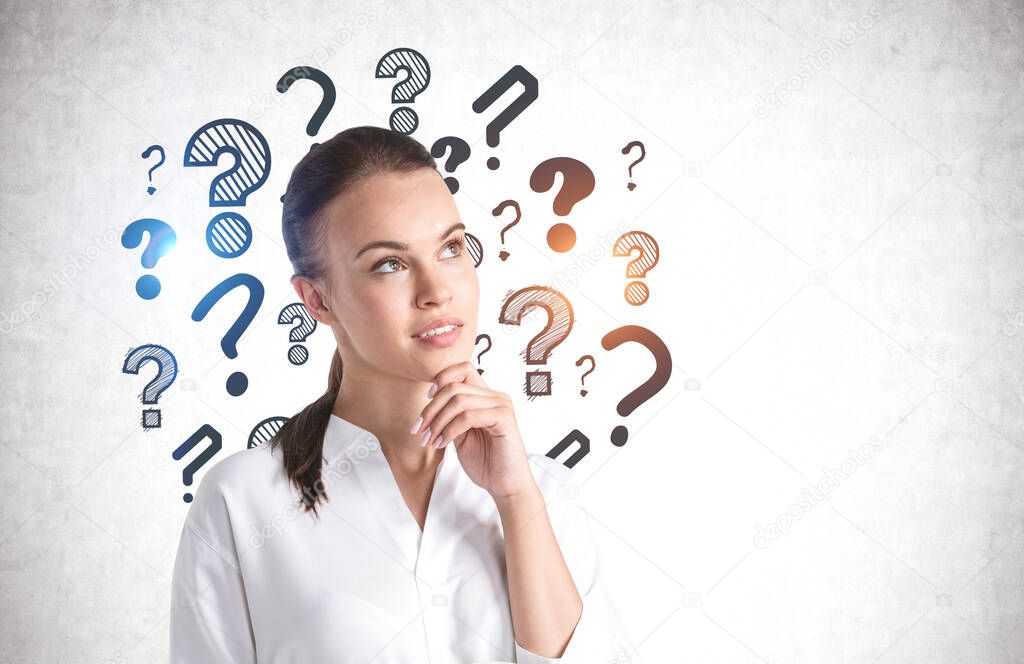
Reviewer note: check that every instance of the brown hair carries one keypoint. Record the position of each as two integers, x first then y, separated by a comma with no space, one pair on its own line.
324,172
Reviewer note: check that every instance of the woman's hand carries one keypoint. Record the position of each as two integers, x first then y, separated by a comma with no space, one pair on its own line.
482,424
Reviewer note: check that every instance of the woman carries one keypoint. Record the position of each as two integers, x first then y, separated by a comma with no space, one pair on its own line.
356,533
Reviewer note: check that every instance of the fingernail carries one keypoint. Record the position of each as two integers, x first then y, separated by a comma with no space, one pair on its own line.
416,426
425,438
437,441
432,390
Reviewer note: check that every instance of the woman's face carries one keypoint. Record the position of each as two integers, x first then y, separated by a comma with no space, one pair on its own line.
396,262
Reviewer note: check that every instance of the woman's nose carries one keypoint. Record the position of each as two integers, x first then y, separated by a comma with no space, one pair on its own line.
434,288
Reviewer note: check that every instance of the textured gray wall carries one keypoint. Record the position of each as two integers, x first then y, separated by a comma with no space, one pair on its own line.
833,472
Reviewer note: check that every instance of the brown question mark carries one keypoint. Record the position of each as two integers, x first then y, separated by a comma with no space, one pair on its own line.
557,328
651,386
497,213
643,153
577,184
593,365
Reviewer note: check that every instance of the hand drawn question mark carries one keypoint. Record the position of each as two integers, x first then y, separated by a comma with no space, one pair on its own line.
497,213
297,311
650,387
557,328
593,365
161,240
478,338
265,430
202,433
643,153
517,74
237,382
249,149
460,153
636,292
167,371
404,119
145,155
330,95
577,184
475,249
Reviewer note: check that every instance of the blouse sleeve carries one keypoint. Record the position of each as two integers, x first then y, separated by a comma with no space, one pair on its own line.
600,635
209,614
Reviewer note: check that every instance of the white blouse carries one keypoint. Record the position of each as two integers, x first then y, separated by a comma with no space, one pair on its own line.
258,579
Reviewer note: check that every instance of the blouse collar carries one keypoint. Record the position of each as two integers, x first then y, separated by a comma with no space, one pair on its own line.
345,438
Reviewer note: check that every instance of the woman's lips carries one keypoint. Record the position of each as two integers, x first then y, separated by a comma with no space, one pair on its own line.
442,340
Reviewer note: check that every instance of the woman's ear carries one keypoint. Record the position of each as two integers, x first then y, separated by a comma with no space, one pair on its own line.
312,298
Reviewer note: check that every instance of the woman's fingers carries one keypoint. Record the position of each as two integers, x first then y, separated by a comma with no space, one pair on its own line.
456,404
480,418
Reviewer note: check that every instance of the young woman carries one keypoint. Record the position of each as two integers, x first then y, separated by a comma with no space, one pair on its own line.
357,533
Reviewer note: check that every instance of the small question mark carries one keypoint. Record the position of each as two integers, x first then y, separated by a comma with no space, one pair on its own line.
636,291
306,325
650,387
478,338
237,382
517,74
161,240
145,155
251,153
167,371
643,153
203,432
264,431
555,331
593,365
497,213
404,119
326,85
460,153
577,184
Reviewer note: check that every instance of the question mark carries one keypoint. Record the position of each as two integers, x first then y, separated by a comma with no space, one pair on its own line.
326,85
636,291
593,365
264,431
650,387
167,371
577,184
237,382
161,240
475,249
555,331
404,119
643,153
574,436
478,338
246,144
497,213
517,74
145,155
460,153
307,324
203,432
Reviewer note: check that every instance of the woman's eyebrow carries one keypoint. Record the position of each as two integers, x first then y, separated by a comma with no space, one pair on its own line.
401,246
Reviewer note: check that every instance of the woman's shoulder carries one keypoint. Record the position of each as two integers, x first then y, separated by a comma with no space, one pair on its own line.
254,468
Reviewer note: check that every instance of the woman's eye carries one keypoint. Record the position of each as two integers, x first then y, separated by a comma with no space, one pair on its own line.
458,244
386,261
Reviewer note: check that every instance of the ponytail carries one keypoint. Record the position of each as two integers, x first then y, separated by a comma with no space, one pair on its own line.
302,439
